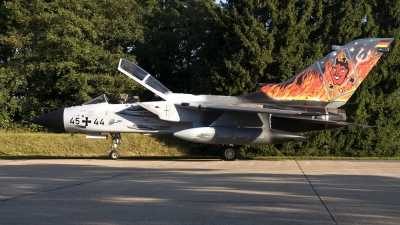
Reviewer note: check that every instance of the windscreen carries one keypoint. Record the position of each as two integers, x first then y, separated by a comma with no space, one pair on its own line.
99,99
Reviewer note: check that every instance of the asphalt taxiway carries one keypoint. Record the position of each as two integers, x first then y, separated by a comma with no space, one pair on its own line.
91,191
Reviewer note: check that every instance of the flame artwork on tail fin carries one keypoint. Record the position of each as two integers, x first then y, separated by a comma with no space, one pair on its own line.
335,77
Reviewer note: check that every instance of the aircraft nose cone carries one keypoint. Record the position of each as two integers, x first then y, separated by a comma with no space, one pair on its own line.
53,120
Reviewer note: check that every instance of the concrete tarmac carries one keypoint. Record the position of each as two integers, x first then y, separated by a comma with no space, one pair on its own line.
91,191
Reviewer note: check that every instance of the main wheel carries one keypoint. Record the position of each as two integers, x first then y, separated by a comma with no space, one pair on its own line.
229,153
114,154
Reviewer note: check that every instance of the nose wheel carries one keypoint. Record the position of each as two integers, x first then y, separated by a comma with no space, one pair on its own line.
115,141
229,153
114,154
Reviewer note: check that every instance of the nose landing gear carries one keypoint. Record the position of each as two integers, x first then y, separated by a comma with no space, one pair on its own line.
115,141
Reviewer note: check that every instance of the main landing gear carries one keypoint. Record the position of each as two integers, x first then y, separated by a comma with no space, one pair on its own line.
229,153
115,141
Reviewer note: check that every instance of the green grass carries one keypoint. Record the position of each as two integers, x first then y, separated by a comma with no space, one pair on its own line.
22,145
63,145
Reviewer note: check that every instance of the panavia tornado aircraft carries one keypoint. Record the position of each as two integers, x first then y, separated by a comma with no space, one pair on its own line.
308,101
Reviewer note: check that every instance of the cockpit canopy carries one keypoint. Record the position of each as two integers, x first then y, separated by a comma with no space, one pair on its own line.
143,77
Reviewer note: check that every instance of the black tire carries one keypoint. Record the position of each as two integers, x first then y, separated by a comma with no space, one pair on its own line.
229,153
114,155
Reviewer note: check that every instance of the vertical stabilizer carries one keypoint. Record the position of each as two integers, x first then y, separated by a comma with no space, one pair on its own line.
335,77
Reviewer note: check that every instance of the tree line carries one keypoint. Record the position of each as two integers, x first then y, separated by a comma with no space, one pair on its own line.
58,53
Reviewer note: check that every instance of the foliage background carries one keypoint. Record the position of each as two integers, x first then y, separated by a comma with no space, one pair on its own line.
58,53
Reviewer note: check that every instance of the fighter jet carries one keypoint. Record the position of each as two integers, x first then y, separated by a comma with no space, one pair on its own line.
308,101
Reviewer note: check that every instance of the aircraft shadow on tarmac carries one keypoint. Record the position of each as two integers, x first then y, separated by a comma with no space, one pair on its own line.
93,194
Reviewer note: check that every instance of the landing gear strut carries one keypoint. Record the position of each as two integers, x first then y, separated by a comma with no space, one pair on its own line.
229,153
115,141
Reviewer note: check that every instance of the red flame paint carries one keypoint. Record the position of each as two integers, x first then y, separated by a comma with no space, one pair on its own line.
310,85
